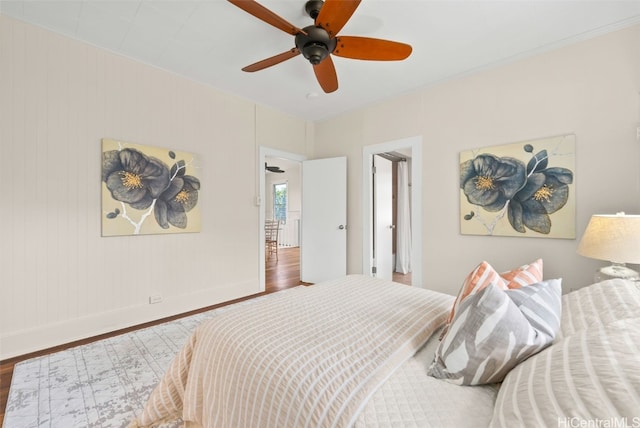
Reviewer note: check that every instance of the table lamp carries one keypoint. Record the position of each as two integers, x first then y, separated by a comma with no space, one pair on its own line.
614,238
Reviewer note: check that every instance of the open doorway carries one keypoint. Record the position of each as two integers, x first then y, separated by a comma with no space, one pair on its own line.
280,199
391,194
282,209
380,232
323,215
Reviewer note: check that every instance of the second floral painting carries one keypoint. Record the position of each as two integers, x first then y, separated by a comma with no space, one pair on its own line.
148,190
523,189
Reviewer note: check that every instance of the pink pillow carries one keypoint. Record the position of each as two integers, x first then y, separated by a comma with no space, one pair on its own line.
484,274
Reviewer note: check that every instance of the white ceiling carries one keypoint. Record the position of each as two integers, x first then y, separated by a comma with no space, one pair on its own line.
209,41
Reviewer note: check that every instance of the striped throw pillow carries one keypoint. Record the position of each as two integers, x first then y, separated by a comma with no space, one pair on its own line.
495,329
484,274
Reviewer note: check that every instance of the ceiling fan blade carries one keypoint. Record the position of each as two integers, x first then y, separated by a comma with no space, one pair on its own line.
326,75
275,169
334,14
371,49
261,12
277,59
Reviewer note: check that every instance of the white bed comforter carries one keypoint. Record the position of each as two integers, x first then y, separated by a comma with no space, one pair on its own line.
307,358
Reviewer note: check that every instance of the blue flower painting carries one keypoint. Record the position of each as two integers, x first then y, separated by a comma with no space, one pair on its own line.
521,189
148,190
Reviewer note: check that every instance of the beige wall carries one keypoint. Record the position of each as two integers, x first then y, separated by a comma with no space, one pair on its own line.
590,89
60,280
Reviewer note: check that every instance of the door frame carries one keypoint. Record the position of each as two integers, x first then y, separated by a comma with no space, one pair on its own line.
415,144
263,154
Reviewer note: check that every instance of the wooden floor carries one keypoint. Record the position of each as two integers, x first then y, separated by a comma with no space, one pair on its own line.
281,273
284,271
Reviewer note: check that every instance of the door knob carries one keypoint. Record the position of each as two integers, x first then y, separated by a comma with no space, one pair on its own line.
393,226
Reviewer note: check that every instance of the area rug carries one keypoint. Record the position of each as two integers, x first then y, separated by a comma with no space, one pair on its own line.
102,384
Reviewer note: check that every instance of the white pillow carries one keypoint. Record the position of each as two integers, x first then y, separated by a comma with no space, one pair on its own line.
600,303
590,376
494,329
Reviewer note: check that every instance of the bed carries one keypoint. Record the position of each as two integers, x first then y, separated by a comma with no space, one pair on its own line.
365,352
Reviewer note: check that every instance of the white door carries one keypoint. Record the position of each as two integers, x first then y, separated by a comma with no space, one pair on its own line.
323,249
383,217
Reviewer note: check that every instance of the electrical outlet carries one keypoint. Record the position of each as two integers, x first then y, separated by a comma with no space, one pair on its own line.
155,299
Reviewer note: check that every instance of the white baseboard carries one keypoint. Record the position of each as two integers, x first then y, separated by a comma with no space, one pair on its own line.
50,335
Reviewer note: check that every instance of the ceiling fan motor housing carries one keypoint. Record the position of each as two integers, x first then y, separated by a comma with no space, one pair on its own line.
312,7
316,44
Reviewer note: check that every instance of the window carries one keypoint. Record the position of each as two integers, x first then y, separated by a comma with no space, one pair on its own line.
280,202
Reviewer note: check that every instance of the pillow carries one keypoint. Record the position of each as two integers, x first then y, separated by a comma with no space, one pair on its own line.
592,375
484,274
599,303
495,329
524,275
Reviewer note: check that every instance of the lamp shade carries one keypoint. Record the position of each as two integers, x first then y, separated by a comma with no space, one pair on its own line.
615,238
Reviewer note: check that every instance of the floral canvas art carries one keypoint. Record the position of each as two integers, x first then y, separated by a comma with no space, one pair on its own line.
148,190
521,189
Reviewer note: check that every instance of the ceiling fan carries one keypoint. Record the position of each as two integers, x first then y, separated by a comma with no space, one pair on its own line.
317,42
275,169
